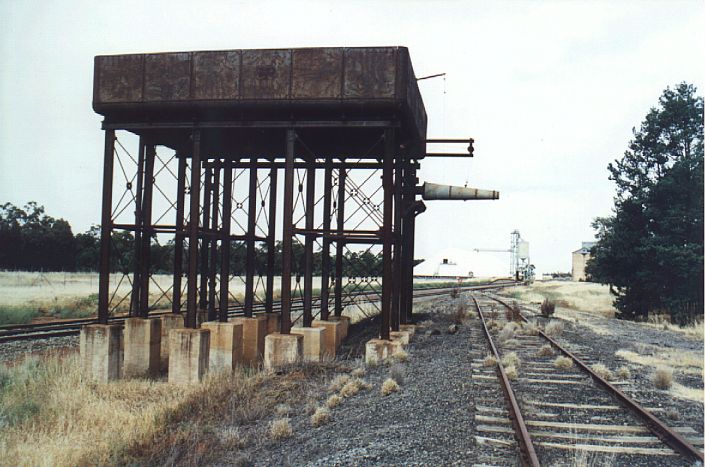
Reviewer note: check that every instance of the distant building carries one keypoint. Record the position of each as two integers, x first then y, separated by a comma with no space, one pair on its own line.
580,259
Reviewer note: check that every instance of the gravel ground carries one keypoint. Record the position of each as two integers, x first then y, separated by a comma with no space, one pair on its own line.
13,351
428,422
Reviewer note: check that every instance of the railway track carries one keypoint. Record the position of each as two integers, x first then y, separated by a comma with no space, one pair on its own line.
38,331
559,416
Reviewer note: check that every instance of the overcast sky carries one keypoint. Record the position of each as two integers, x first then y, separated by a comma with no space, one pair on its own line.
550,90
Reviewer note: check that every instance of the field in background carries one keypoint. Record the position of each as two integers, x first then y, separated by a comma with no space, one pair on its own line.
28,296
580,296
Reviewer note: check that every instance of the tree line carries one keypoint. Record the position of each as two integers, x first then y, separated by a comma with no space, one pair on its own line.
650,250
31,240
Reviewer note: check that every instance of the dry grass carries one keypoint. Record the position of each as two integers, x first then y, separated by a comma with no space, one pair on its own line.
506,333
563,362
358,372
321,416
400,356
695,330
353,386
334,401
685,392
554,329
623,373
511,359
530,329
511,372
580,296
280,429
338,383
489,360
389,386
690,362
663,377
492,324
602,371
545,351
47,403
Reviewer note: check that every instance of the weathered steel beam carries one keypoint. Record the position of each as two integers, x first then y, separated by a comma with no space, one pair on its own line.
179,233
146,238
192,284
106,228
287,232
325,253
250,241
225,242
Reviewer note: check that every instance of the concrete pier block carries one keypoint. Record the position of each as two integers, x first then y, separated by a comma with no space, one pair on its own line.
142,347
402,336
101,356
188,355
314,340
344,325
273,321
377,350
332,338
169,322
282,349
410,328
253,332
225,352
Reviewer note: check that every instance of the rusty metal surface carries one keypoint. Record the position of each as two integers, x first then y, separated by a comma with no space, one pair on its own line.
167,77
266,74
316,73
216,75
370,73
118,78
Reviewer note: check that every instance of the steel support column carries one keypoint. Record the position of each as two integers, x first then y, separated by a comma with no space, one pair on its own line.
194,217
287,232
207,188
387,235
150,154
408,230
397,232
225,241
179,233
106,227
136,283
271,245
308,245
340,244
212,270
250,242
325,253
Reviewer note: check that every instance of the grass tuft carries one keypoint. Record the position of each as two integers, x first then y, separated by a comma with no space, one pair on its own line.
623,373
338,383
400,356
511,359
489,360
511,372
663,377
321,416
10,314
563,362
334,401
545,351
602,371
554,328
280,429
358,372
352,387
389,386
548,307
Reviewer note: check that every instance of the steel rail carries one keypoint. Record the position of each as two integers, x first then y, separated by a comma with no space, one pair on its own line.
656,426
10,333
526,446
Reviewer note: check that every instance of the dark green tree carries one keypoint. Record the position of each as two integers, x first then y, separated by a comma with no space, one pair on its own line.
651,250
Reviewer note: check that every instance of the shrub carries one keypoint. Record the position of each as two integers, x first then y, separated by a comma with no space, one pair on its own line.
489,360
563,362
530,329
358,372
548,307
506,333
623,372
389,386
511,359
280,429
554,328
352,387
338,383
663,377
400,356
334,401
321,416
513,312
602,371
16,314
545,351
511,372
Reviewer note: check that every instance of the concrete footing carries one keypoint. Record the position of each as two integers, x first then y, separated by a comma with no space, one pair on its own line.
282,349
254,331
100,351
402,336
188,355
344,325
332,338
169,322
377,350
225,352
410,328
314,340
273,322
142,347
